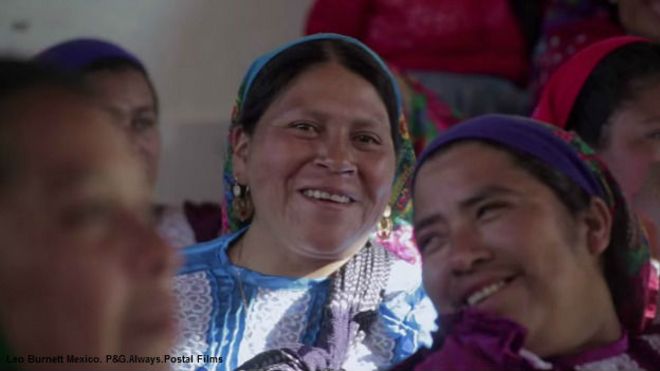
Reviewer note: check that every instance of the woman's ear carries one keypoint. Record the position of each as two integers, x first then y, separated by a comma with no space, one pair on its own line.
598,220
240,143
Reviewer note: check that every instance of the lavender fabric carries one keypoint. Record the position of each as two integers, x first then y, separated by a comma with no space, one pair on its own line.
526,136
77,54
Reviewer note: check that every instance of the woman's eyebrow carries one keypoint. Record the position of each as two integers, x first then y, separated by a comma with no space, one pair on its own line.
485,193
429,220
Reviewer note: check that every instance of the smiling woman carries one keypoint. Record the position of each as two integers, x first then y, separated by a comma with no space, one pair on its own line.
123,85
302,282
530,254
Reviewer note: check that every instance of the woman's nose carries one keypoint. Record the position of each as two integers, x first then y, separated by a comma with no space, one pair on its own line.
151,256
336,154
467,251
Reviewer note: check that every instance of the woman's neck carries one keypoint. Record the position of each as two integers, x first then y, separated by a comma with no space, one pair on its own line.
600,327
272,255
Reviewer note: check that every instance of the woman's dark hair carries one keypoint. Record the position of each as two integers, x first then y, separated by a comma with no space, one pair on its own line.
121,65
278,73
616,80
17,76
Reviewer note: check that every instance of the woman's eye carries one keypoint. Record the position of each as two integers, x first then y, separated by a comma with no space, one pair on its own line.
654,135
367,139
431,244
142,123
490,210
304,126
87,215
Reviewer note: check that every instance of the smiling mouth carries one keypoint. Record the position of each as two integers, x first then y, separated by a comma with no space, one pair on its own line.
316,194
485,292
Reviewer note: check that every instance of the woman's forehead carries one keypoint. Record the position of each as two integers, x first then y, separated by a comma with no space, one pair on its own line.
465,165
330,88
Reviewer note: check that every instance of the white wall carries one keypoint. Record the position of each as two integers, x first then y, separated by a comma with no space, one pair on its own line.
196,51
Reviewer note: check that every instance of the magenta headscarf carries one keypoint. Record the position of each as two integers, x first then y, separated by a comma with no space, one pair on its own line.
563,88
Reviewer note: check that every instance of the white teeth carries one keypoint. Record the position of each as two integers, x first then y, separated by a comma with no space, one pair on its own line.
485,292
320,195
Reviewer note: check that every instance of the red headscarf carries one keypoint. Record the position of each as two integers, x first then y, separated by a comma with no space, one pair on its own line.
563,88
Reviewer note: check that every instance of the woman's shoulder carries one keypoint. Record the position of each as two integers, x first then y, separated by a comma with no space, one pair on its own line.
206,255
404,297
404,275
406,315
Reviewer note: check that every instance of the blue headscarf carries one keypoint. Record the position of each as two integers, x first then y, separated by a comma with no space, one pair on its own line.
260,62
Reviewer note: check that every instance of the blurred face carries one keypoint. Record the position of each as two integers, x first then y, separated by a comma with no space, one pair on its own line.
127,95
320,163
81,270
633,149
496,239
633,152
641,17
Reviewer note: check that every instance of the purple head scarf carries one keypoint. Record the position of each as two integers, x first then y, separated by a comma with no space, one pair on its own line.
527,137
78,54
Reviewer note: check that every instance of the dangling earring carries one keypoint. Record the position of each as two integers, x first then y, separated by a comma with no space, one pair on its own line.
236,190
385,224
242,203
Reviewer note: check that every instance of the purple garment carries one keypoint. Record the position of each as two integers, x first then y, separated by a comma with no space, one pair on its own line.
480,341
76,55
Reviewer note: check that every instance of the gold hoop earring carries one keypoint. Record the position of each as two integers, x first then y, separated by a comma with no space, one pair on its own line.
385,224
242,203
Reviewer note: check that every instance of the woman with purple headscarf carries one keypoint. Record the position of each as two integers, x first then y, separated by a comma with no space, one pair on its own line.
124,87
530,254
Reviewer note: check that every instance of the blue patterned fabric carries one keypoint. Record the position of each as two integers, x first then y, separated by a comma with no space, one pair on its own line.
214,320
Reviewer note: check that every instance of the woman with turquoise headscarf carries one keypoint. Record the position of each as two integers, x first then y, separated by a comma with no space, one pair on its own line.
320,163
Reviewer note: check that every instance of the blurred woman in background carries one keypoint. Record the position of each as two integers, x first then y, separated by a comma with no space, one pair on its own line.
122,83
